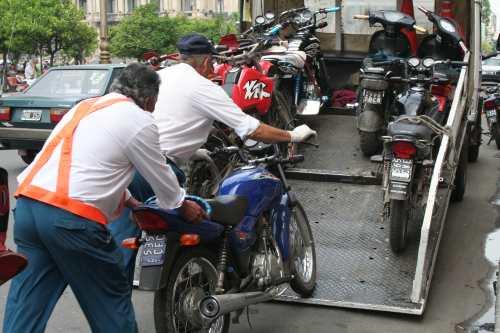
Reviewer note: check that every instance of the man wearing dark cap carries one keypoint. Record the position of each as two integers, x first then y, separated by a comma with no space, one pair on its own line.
188,104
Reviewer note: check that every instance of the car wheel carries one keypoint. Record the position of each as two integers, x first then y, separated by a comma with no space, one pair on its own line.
29,155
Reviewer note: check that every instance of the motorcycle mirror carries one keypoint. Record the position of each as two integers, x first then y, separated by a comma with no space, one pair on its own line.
498,43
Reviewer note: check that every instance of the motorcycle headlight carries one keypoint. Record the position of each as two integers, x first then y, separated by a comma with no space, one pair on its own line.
428,62
413,62
260,20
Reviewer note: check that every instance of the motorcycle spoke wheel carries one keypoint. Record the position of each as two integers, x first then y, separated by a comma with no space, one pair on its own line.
302,253
197,277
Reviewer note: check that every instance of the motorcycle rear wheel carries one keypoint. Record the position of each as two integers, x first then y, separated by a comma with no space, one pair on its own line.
495,131
302,255
398,225
192,276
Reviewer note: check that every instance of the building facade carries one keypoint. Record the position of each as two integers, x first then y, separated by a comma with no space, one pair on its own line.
117,9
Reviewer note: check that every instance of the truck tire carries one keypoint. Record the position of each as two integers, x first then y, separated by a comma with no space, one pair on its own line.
398,225
460,182
167,298
303,283
495,132
475,142
369,143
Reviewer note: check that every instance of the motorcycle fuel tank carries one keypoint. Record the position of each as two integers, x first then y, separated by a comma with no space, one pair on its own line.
259,186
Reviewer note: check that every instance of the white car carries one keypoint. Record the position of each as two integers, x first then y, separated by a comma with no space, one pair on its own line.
491,69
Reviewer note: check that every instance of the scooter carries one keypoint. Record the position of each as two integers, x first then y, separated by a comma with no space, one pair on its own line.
376,93
256,240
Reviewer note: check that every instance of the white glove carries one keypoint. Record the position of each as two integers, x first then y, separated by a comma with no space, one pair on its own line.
302,133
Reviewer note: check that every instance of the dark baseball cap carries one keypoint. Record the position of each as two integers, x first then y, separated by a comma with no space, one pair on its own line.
195,44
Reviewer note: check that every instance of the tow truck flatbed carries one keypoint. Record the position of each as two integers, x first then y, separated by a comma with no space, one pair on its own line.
340,191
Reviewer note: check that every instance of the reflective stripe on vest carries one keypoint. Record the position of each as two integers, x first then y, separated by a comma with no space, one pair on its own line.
60,198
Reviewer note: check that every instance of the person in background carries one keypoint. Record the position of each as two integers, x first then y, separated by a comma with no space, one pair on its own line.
30,70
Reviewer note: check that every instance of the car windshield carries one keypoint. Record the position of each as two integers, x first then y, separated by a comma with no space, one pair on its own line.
70,82
492,62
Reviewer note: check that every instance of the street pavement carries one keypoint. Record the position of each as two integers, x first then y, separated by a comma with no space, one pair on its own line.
460,296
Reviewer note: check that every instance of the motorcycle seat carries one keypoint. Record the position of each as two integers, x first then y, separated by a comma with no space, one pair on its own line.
228,209
296,59
406,129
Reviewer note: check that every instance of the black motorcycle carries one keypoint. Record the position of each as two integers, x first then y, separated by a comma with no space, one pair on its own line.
303,80
376,93
491,109
411,146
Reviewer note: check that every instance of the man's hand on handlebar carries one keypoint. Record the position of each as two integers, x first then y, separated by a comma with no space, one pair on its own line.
302,133
192,212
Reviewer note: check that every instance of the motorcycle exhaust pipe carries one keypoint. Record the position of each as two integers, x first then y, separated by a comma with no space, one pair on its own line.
211,307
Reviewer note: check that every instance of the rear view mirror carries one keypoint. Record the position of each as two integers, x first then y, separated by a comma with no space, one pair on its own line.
498,42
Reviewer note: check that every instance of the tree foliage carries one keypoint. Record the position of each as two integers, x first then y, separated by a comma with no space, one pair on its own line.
144,30
44,27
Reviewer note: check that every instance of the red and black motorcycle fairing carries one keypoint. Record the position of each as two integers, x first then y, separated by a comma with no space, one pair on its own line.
249,87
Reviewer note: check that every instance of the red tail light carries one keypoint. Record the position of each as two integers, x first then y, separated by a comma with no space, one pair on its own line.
150,221
403,149
4,114
489,104
56,114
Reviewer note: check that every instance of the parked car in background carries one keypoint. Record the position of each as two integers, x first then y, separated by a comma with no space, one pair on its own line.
26,119
491,69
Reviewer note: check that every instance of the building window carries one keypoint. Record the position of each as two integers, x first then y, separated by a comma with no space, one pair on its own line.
188,5
82,4
131,4
111,6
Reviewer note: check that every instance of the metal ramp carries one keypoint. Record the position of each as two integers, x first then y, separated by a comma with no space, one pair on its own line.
340,190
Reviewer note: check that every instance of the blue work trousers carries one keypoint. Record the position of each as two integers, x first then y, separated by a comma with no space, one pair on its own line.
63,249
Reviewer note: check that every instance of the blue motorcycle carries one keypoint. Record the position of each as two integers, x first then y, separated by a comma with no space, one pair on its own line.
257,240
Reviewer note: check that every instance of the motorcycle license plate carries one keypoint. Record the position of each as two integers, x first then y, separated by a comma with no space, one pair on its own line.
491,114
153,250
401,169
31,115
373,97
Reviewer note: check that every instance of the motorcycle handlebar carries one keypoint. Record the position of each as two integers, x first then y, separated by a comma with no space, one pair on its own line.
361,17
329,10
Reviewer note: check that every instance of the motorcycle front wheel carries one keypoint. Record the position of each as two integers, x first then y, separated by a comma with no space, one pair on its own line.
280,116
192,277
302,253
398,224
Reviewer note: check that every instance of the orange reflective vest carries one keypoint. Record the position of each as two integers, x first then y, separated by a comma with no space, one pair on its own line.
60,198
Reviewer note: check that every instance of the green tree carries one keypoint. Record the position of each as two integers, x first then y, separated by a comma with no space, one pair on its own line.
81,42
486,12
142,31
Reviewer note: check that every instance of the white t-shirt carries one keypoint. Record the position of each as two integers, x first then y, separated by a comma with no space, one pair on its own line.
108,146
186,108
